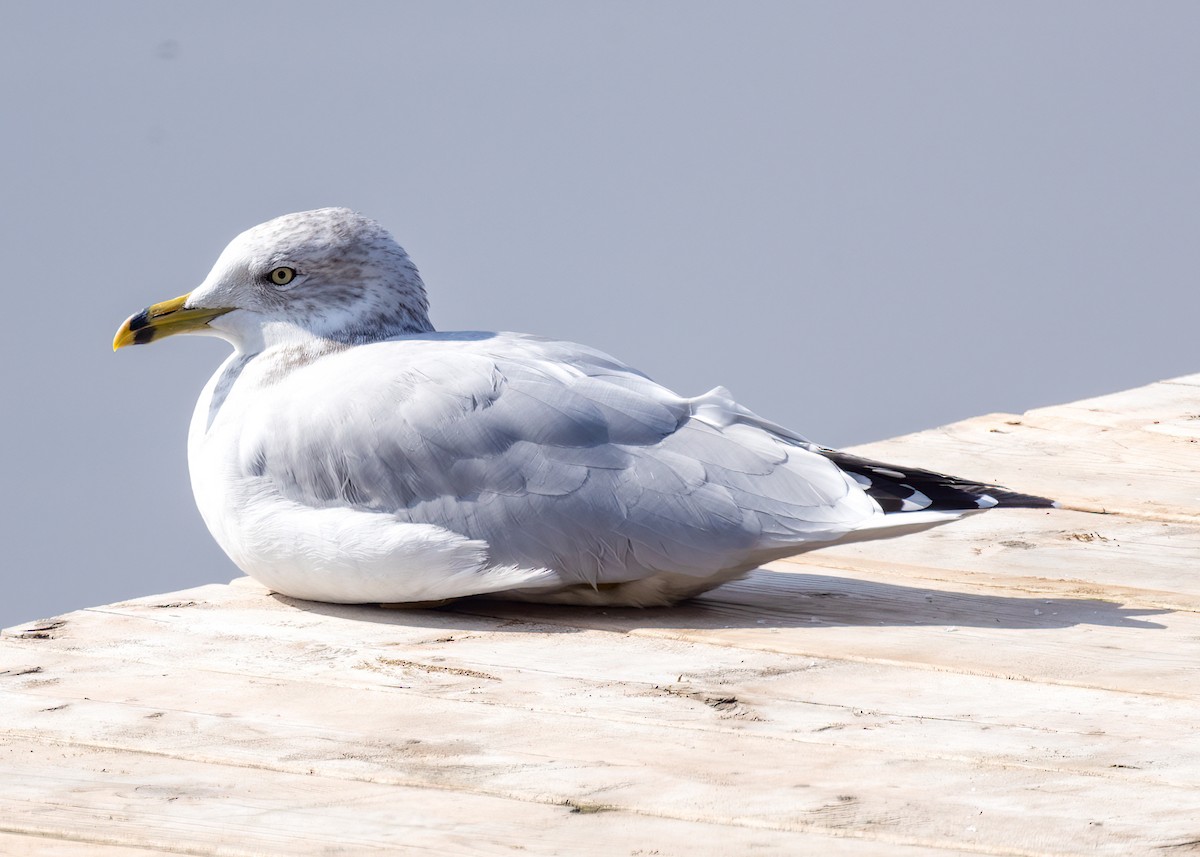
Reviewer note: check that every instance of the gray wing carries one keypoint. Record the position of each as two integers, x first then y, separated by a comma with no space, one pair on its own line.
556,455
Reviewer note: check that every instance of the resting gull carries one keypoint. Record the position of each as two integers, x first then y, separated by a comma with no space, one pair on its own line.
348,452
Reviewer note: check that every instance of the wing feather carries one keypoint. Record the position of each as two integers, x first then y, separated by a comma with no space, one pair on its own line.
555,455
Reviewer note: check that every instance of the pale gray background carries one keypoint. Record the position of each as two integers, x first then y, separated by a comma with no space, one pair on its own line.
864,218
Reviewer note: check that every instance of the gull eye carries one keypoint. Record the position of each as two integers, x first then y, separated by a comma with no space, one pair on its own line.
282,276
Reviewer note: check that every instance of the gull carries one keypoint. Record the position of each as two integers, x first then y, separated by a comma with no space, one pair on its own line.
348,452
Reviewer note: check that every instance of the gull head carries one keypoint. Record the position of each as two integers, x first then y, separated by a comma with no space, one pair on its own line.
327,274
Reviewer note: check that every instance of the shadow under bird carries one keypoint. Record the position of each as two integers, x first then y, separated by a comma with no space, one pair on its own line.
348,452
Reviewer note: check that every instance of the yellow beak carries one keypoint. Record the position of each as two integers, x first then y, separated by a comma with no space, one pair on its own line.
164,319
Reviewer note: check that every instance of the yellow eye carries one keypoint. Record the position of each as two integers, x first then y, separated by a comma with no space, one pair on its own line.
282,276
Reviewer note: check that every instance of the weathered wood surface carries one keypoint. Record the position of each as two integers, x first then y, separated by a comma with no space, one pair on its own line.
1021,682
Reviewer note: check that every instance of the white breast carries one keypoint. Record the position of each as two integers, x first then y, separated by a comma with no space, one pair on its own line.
337,554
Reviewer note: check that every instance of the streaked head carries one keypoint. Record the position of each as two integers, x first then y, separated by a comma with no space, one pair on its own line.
328,273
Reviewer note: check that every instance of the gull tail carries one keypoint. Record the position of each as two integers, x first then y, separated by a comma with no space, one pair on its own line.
911,489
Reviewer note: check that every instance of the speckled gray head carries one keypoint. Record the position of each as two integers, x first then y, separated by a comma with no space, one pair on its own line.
330,273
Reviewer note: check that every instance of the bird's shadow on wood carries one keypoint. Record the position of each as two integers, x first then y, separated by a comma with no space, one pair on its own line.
772,599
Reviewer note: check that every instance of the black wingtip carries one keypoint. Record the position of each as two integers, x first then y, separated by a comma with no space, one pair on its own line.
910,489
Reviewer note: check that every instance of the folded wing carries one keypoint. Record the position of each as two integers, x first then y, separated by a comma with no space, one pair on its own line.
555,455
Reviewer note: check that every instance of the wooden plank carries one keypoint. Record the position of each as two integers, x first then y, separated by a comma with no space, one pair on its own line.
54,846
726,767
793,699
235,787
1166,407
73,792
1060,553
972,628
631,678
